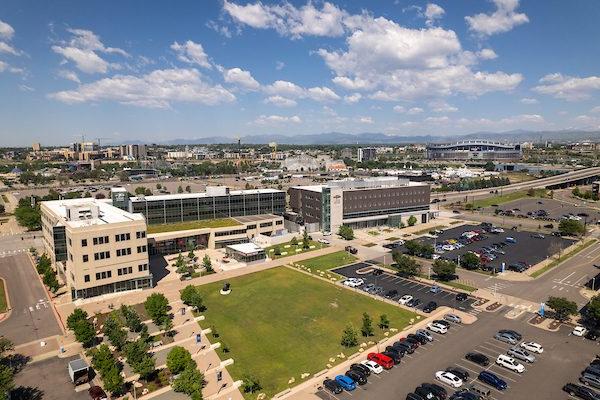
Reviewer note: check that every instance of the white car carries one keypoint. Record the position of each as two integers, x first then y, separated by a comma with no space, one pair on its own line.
497,230
405,299
373,366
510,363
353,282
323,241
449,378
326,233
533,347
447,247
437,328
435,256
579,331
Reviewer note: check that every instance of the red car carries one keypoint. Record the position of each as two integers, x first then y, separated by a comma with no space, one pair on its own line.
381,359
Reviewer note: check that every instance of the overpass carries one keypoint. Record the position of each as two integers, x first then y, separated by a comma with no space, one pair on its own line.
578,177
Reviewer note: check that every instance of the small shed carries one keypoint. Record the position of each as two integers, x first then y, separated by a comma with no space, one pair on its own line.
246,252
79,371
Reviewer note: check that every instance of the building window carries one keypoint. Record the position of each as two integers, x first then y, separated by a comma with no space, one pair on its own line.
70,243
100,240
124,252
265,224
83,242
141,249
121,237
140,234
103,275
102,255
85,258
278,222
125,271
142,267
86,278
253,226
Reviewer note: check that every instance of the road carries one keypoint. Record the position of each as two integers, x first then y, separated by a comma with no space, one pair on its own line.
31,316
553,180
11,244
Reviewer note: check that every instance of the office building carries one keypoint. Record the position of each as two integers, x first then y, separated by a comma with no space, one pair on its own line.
36,147
475,150
133,151
361,203
367,154
97,248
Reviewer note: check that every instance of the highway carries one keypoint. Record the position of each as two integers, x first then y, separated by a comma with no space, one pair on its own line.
538,183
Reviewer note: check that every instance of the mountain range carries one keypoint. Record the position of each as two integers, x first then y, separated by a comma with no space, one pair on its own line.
377,138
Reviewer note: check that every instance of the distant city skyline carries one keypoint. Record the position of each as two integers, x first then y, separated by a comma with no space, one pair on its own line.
157,71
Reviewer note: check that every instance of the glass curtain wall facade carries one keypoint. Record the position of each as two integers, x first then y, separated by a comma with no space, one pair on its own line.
164,211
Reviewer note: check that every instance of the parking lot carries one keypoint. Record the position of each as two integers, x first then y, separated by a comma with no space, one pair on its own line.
561,362
555,209
527,248
404,286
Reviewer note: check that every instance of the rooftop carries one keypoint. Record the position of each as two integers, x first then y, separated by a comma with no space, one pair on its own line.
369,183
189,225
177,196
80,213
246,248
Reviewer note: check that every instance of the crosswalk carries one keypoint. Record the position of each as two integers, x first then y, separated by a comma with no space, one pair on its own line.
497,286
41,305
8,253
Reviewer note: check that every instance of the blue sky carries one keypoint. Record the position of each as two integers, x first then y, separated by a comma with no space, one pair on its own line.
153,71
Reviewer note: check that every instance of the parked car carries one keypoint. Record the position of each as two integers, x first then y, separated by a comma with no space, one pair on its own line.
478,358
405,299
381,359
465,394
505,337
579,331
592,335
453,318
391,293
351,250
414,396
368,287
437,328
461,373
435,289
461,296
581,392
425,393
363,369
449,379
520,354
510,363
419,338
404,346
356,376
394,355
590,380
512,333
492,379
414,302
373,366
346,382
533,347
323,241
332,386
436,389
425,334
429,307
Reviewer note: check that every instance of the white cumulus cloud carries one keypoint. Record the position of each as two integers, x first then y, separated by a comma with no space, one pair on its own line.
566,87
504,19
280,101
6,31
432,13
191,53
240,78
277,120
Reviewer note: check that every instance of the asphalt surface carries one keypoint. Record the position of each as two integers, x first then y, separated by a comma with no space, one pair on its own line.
46,380
555,209
563,358
406,286
31,317
527,249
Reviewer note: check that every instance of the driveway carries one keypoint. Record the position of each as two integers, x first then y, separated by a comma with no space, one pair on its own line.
31,316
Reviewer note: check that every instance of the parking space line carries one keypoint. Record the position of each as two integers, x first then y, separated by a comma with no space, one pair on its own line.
467,368
497,346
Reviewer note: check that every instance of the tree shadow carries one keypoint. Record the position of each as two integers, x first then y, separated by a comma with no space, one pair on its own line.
26,393
16,362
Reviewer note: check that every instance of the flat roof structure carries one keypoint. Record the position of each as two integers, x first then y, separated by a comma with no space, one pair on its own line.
79,213
246,249
183,196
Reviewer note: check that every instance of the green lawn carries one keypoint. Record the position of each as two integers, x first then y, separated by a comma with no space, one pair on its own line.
184,226
505,198
279,324
329,261
3,301
291,250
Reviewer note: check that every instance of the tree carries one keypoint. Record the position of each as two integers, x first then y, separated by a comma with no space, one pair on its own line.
489,166
571,227
406,265
413,247
445,270
6,381
349,337
179,189
294,241
50,280
412,220
277,250
427,250
346,232
469,261
84,332
593,310
179,359
113,329
251,384
191,296
207,263
367,325
384,322
140,190
191,255
138,358
132,318
77,315
190,382
167,326
110,371
157,307
188,189
305,240
158,186
562,307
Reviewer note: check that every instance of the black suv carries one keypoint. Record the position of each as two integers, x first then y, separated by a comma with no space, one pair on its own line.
413,303
429,307
332,386
394,355
419,338
392,349
361,368
461,296
439,391
426,393
404,346
478,358
356,376
391,293
581,392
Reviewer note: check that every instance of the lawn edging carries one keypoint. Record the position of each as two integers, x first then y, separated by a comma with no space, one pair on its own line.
575,249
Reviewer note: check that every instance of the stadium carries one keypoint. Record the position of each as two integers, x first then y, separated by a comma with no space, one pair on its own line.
475,150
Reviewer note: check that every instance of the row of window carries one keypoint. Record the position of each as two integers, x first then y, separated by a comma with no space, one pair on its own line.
227,233
120,272
102,255
140,234
121,237
124,252
99,240
142,249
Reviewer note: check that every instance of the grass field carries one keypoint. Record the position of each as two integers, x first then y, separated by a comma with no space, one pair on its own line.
279,324
184,226
329,261
291,250
505,198
3,301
